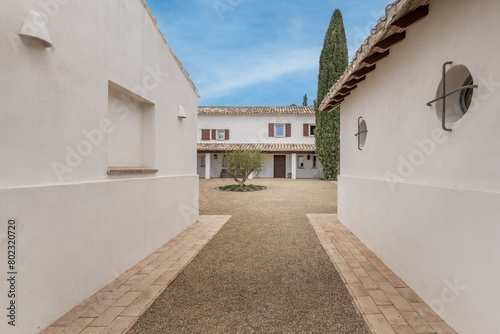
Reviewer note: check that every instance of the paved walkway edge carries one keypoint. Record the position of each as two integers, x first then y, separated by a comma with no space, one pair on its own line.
385,302
117,307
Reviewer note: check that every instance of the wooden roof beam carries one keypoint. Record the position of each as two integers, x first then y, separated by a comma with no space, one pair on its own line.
409,19
352,83
340,97
371,60
362,72
330,107
346,90
389,42
420,2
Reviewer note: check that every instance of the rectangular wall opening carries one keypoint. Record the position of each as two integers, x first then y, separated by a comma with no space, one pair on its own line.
131,144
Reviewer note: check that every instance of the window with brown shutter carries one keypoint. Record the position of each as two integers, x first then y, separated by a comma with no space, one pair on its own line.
312,128
227,135
306,130
288,131
271,130
205,134
214,134
221,134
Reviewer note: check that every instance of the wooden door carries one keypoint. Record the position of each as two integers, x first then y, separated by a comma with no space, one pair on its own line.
280,166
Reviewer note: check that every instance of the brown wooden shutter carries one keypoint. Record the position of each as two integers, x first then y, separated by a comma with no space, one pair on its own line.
306,130
271,130
214,134
288,131
227,135
205,134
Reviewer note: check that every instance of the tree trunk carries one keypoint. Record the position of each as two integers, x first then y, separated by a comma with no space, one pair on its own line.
244,177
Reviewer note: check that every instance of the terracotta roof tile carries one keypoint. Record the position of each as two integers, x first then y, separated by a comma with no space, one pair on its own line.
257,146
288,110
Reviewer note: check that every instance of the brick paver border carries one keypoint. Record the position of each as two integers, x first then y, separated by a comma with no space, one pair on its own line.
117,307
385,302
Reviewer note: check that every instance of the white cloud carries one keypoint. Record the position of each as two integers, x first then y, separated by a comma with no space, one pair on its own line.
246,70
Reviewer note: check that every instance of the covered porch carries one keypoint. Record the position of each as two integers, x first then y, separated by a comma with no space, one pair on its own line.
292,161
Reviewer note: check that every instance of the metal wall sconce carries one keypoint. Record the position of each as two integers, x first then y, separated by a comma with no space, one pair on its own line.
360,132
445,95
215,156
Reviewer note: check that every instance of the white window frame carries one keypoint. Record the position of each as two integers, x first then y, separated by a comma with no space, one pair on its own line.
218,137
310,132
298,162
276,130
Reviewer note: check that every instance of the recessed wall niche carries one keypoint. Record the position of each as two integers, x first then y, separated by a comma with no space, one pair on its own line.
131,144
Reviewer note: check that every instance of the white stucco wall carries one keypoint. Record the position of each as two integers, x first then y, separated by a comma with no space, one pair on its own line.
254,129
79,228
425,200
74,239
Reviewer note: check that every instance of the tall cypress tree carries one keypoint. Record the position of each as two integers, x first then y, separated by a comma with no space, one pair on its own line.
304,101
332,64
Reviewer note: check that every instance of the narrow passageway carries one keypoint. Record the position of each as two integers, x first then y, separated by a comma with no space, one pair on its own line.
264,272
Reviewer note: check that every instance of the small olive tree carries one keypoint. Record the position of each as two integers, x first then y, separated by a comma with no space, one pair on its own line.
240,164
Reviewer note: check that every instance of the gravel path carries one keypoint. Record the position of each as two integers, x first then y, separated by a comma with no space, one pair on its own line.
264,272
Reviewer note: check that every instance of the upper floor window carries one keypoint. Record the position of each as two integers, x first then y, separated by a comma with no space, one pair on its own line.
221,135
309,129
312,127
280,130
207,134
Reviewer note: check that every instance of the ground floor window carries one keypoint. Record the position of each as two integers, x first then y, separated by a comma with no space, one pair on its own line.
203,161
314,162
301,161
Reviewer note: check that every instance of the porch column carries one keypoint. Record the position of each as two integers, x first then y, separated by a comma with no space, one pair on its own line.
294,166
207,165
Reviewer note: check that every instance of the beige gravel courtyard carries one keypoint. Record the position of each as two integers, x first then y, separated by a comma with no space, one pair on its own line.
264,272
274,261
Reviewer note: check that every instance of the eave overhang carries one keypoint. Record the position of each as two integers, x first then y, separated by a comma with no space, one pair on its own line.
389,31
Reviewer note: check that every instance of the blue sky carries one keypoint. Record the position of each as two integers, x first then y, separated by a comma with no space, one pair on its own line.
256,52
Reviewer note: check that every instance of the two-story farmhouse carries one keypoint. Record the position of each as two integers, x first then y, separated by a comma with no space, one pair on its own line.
420,153
284,134
94,106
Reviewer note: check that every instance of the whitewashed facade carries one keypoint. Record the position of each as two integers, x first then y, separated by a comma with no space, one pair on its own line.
284,134
425,199
98,150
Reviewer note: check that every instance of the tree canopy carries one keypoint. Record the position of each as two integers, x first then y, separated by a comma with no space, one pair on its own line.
241,163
